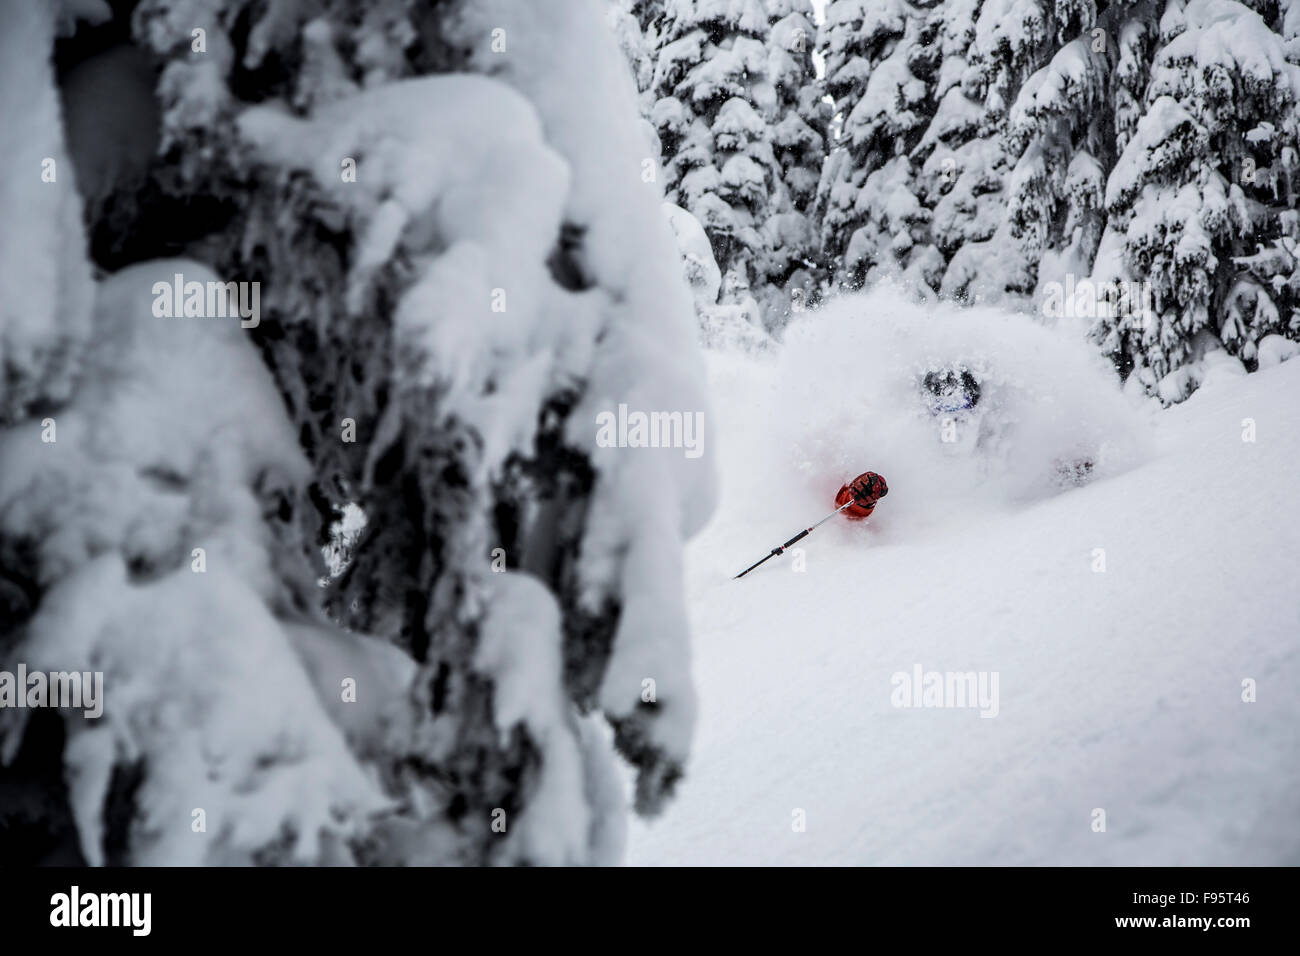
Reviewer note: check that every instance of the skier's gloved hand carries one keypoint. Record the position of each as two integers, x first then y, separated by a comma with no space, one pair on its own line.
868,488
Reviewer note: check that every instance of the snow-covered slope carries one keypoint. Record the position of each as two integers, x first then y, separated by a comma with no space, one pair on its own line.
1119,690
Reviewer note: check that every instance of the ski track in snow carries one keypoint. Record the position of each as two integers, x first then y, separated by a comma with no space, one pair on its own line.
1119,690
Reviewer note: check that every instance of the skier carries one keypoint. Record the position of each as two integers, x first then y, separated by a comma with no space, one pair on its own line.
952,389
865,491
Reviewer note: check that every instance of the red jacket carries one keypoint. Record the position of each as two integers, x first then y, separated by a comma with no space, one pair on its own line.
865,491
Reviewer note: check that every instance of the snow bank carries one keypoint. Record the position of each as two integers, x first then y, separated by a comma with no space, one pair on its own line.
1120,691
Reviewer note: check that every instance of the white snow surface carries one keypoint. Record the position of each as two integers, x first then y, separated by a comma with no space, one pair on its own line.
1119,690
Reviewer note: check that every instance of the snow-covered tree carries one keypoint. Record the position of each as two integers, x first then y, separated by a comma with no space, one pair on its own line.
1202,200
991,148
799,129
437,215
727,325
1152,147
43,263
633,23
879,72
982,221
741,129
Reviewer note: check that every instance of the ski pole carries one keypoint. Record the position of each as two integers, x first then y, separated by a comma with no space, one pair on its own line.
802,534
